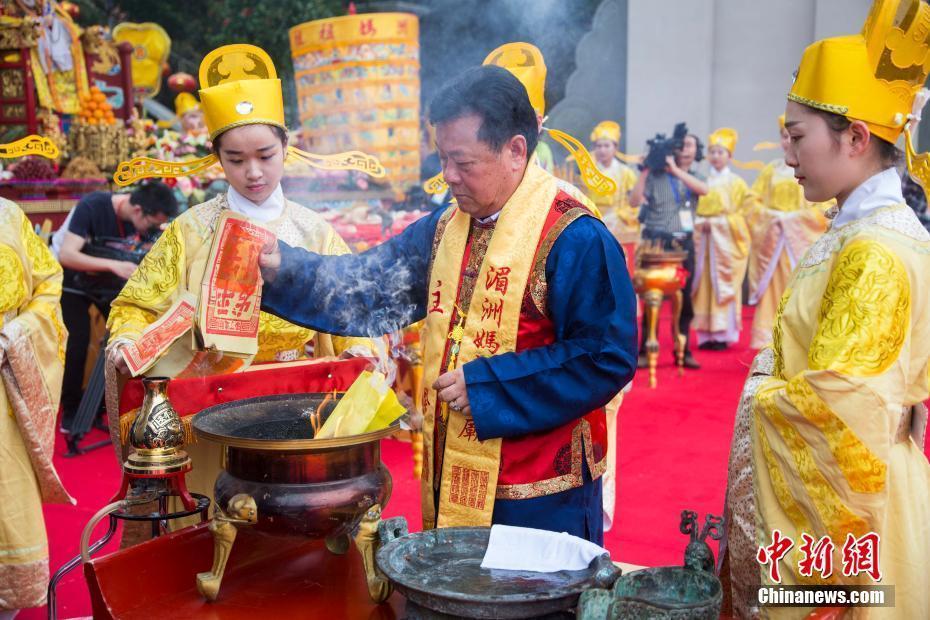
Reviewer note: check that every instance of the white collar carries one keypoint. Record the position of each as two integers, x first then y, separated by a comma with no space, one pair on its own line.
715,173
491,218
880,190
270,209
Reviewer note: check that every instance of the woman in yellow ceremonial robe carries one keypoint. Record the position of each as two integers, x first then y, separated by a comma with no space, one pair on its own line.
782,229
245,118
32,355
827,450
721,247
618,215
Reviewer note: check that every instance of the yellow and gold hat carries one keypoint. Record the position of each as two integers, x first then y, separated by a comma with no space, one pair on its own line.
30,145
184,103
725,137
527,64
606,130
241,87
872,76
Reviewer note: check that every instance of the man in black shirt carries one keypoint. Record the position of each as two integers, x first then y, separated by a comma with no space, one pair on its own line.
97,216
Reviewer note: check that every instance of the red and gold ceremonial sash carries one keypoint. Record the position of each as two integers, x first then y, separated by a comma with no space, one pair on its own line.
470,467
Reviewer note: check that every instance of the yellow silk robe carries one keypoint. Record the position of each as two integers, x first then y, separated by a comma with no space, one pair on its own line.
176,263
782,230
615,208
721,252
32,356
823,442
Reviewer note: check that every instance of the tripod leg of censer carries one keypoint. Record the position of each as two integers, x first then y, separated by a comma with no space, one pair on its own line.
224,535
241,510
653,301
367,541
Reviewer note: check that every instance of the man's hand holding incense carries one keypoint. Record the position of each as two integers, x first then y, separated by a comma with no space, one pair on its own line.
269,261
451,389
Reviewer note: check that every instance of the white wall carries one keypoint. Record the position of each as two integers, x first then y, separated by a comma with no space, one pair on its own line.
715,63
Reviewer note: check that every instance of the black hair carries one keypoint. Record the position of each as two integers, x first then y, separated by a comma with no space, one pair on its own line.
280,133
494,94
698,147
155,197
888,153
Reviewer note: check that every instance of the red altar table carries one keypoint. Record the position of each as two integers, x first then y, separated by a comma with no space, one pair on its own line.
266,577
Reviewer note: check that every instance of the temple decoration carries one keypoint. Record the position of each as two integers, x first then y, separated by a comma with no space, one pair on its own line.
151,46
358,87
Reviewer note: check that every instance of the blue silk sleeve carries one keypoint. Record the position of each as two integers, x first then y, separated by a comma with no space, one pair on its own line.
369,294
593,306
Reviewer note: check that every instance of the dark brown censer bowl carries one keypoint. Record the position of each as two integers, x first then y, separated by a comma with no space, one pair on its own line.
319,488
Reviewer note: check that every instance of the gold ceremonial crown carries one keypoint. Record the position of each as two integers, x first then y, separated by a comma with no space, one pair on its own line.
606,130
527,64
725,137
30,145
184,103
872,76
241,87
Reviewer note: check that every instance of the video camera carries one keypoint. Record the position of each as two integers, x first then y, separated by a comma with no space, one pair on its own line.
103,287
661,147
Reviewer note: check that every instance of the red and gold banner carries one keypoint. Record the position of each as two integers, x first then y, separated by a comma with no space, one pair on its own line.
157,337
230,296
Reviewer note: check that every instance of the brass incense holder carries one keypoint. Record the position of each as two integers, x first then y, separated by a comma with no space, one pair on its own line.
156,435
659,275
279,481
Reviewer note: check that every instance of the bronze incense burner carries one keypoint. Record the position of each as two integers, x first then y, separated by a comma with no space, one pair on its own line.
659,275
280,481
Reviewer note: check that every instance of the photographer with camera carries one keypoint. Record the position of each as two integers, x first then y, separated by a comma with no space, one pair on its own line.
95,268
667,191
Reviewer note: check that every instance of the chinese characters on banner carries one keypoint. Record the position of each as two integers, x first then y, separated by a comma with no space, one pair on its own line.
157,337
496,280
859,556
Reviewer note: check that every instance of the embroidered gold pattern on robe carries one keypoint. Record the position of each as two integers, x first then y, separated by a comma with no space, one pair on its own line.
864,471
865,312
830,510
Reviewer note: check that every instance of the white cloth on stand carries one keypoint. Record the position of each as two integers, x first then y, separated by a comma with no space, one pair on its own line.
541,551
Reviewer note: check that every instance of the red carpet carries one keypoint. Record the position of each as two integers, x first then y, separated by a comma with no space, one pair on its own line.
673,449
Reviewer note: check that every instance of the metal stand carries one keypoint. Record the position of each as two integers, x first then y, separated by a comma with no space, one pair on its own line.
89,409
158,519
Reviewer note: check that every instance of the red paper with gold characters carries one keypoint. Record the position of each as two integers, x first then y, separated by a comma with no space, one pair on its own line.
155,340
230,298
